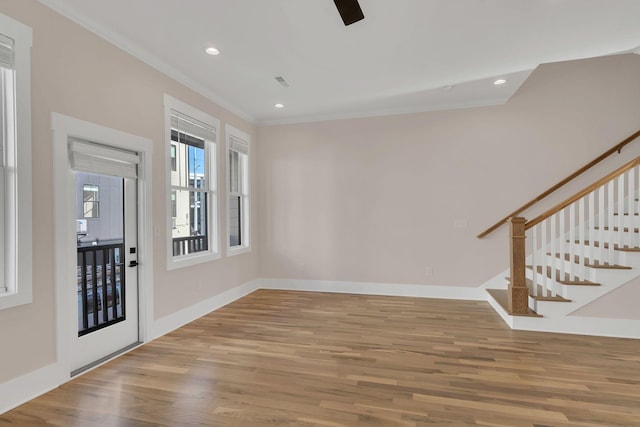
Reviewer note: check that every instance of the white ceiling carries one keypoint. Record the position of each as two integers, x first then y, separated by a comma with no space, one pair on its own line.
398,59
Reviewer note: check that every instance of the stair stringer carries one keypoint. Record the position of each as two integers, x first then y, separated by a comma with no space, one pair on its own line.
557,316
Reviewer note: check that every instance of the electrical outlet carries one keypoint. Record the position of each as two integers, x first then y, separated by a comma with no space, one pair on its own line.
428,271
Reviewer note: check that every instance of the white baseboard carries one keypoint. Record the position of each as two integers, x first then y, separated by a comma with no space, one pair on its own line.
174,321
579,325
22,389
169,323
386,289
15,392
592,326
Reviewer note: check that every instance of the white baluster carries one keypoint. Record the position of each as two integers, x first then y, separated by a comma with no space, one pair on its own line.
601,224
631,203
552,241
562,219
534,260
544,230
635,237
582,224
611,220
592,224
572,240
623,216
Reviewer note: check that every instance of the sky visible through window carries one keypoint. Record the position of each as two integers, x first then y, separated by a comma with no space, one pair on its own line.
196,161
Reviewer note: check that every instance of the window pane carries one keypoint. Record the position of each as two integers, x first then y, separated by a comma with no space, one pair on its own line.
174,164
243,174
235,221
91,202
234,168
190,232
174,208
190,161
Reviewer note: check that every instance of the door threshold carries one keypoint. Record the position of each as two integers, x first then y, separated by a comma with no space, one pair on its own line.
105,359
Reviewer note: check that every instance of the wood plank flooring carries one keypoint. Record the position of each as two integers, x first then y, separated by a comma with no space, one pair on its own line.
280,358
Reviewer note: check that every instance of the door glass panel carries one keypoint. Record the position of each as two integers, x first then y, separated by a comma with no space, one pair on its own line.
100,252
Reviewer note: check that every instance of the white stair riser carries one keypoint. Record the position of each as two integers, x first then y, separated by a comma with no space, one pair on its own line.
631,259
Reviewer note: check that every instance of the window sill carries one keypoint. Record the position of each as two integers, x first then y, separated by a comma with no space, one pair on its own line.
190,260
8,299
238,250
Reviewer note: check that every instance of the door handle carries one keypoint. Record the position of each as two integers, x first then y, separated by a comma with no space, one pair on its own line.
133,263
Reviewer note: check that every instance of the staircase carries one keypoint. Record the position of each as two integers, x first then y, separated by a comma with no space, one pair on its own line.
571,255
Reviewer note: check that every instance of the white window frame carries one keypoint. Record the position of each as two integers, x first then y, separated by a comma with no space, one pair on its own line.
232,133
16,255
211,173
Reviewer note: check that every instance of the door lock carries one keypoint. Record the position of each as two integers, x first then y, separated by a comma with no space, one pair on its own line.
133,263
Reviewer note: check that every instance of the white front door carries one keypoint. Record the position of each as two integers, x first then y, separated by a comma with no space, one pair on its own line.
105,291
83,147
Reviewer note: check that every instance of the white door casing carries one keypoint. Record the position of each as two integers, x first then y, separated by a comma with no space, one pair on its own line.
64,129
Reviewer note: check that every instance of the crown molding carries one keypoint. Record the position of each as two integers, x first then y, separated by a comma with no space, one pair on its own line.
517,79
142,54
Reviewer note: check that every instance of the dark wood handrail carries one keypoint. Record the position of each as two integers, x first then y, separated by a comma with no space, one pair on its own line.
557,208
618,147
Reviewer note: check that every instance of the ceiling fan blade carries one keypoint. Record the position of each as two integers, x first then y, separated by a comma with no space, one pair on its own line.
349,11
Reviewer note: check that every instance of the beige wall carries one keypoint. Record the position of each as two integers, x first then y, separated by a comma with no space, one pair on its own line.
78,74
365,200
375,199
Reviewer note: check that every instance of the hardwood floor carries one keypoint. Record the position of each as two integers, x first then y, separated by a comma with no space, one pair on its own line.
279,358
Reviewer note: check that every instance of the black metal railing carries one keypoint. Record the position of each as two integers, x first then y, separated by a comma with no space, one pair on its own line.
190,244
101,285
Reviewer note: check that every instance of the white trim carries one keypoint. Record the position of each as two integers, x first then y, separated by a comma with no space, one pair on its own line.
503,95
174,321
18,215
400,111
31,385
214,252
386,289
65,127
239,250
580,325
144,55
230,134
180,318
17,391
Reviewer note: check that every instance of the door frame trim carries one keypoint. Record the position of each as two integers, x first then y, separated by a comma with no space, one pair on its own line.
63,128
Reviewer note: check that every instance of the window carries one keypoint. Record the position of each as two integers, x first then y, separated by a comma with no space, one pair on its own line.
192,198
174,163
90,201
174,208
15,164
238,237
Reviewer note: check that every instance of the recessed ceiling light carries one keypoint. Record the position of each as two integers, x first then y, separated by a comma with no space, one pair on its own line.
279,105
499,82
212,51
